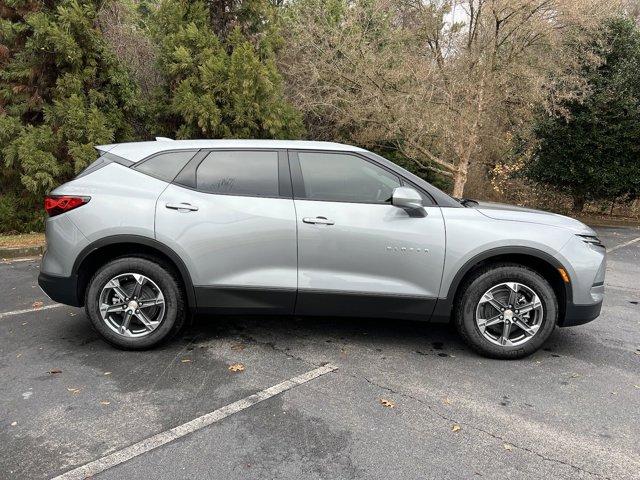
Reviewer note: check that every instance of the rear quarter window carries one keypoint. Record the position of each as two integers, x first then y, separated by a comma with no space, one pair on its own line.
165,166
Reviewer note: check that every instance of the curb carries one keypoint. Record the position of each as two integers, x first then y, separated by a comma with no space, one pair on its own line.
21,252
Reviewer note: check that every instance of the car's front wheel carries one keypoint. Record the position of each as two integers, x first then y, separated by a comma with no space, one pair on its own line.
135,303
506,311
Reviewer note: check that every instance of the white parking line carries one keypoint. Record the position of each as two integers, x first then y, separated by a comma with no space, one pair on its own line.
155,441
28,310
622,245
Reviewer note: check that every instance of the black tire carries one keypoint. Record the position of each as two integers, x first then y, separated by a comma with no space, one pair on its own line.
167,281
480,282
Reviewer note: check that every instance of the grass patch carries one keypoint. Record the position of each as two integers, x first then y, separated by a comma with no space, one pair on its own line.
21,240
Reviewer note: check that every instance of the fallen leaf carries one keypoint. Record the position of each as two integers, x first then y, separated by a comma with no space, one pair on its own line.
237,347
107,373
507,447
105,402
53,371
13,424
447,401
387,403
37,304
185,360
236,367
455,427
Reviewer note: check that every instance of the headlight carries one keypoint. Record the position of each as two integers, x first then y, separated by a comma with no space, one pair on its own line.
591,240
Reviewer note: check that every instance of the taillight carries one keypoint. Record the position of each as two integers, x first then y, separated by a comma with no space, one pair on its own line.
57,204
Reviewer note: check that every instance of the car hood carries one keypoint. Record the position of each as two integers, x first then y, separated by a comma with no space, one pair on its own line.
501,211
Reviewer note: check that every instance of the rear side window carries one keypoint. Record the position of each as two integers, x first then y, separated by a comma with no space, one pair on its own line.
239,173
165,166
338,177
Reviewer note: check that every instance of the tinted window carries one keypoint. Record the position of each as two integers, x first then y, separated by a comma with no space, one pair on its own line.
426,199
165,166
345,178
239,173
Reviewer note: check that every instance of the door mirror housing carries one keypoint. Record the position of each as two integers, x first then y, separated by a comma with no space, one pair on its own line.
406,198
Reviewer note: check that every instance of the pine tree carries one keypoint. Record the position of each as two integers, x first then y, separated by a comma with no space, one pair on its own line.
221,75
61,92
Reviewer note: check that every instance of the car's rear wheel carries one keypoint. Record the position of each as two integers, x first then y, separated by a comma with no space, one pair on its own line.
506,311
135,303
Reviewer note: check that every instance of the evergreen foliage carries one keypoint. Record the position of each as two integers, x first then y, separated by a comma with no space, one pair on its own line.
221,76
595,153
64,88
61,92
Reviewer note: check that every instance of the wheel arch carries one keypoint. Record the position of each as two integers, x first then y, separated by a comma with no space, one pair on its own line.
105,249
540,261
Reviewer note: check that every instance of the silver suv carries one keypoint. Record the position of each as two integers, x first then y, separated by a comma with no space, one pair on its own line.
152,231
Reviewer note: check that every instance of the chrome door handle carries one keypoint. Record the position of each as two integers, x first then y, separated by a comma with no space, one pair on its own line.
318,221
182,206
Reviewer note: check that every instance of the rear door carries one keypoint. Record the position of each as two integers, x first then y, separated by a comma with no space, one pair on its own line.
229,214
357,253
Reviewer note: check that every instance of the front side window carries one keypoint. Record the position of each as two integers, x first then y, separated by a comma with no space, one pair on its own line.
339,177
239,173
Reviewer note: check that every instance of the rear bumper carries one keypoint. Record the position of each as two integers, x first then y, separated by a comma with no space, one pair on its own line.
60,289
580,314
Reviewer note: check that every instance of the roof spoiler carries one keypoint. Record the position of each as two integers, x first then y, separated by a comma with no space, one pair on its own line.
104,148
164,139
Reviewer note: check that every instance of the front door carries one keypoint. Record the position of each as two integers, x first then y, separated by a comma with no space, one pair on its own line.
357,253
230,216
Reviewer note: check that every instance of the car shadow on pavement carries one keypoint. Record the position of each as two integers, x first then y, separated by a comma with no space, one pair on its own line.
300,333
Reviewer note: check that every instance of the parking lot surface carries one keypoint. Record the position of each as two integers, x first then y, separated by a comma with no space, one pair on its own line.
571,411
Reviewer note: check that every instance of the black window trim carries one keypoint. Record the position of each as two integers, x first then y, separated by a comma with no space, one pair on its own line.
186,178
136,165
299,192
289,181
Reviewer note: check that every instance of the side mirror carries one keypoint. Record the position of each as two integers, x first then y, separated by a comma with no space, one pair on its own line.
406,198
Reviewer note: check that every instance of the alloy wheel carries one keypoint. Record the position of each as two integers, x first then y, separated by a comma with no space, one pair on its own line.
132,305
509,314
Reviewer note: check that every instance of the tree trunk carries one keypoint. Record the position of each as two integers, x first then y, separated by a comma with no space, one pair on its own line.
219,17
578,202
459,180
460,175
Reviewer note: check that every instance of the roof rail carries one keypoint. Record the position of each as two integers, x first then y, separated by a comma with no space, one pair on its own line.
164,139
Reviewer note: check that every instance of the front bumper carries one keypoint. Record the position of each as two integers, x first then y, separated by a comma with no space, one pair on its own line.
580,314
61,289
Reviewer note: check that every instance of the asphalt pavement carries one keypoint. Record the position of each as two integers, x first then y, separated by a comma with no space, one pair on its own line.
570,411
